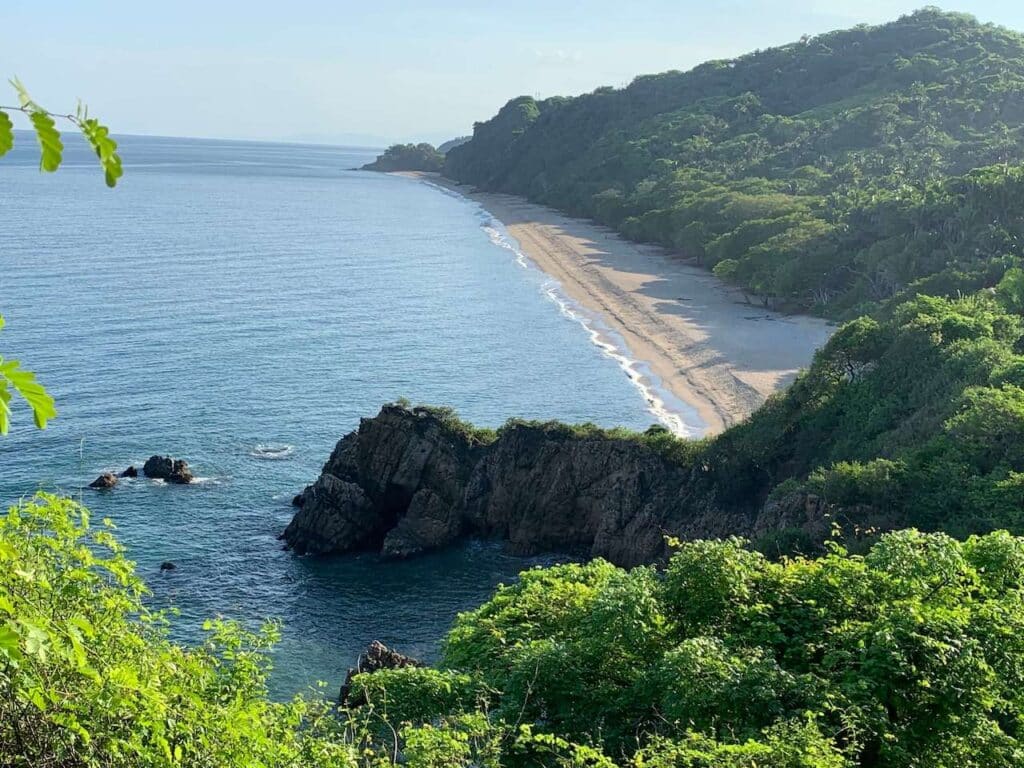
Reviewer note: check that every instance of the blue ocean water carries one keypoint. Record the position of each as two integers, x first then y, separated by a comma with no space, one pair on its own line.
228,297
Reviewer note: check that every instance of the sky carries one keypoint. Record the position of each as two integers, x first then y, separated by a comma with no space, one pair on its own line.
377,71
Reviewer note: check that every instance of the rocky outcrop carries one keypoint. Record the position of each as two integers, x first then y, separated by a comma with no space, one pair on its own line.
376,657
396,485
104,482
130,472
412,479
168,469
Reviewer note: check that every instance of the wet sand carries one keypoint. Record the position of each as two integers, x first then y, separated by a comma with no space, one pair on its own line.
699,338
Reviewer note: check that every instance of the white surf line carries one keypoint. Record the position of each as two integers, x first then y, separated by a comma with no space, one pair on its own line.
676,415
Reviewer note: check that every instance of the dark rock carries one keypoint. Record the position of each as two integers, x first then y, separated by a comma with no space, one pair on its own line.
167,565
299,499
407,481
336,516
166,468
130,472
429,522
376,657
105,481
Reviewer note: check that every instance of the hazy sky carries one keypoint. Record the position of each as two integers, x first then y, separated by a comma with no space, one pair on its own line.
377,70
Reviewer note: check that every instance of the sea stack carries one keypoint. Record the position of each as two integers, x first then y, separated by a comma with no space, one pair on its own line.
168,469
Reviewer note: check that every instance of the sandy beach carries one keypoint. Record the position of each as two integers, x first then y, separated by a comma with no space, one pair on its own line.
700,340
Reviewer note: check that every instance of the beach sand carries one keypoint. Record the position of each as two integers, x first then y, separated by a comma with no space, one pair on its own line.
701,340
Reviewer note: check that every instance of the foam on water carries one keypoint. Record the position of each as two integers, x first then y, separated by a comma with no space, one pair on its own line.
272,452
679,417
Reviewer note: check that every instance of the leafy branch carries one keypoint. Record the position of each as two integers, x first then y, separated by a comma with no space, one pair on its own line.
44,122
13,378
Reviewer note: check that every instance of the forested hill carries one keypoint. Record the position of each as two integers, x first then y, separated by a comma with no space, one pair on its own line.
831,174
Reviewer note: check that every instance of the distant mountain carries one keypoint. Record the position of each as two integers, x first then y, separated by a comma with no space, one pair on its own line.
823,175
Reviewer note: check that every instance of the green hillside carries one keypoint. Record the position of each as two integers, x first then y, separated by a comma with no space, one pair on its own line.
830,175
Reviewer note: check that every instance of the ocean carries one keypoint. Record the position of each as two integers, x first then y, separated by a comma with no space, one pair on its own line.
241,305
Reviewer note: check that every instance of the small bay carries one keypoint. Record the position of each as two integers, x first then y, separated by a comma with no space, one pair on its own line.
242,305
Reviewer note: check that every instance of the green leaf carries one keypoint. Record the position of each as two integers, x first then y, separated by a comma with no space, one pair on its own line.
46,129
105,147
23,97
49,141
6,133
37,642
9,640
25,384
83,624
5,407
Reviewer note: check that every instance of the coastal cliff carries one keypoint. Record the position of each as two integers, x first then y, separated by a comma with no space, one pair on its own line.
415,479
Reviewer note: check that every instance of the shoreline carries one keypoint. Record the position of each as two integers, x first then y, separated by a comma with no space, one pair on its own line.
691,344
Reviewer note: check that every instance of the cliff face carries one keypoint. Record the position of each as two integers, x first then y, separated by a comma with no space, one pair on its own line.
406,482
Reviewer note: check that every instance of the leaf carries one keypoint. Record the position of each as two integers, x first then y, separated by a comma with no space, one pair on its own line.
105,147
83,624
46,129
49,141
23,97
37,642
25,384
77,651
6,133
5,407
8,640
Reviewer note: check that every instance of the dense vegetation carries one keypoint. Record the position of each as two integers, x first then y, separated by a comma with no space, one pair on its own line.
832,174
908,656
407,157
89,678
915,419
911,655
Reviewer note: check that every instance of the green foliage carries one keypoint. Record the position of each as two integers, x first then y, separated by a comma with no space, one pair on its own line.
50,145
6,133
48,136
415,693
910,419
88,676
408,157
460,430
13,379
907,656
833,174
105,147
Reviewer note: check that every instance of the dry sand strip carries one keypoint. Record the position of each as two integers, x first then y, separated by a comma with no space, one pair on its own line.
708,346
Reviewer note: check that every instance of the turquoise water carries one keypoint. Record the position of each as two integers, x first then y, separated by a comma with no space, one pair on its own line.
229,296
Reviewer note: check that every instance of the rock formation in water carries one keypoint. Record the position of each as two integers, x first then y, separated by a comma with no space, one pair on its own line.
411,480
130,472
104,482
168,469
